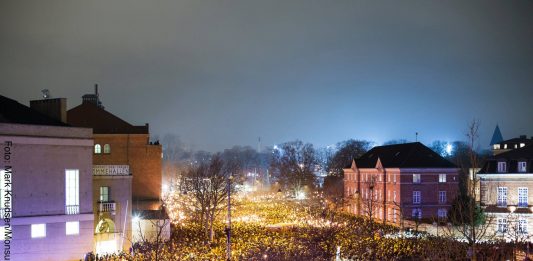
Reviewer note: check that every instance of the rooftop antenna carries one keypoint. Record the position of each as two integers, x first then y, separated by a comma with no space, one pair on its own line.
96,89
416,136
258,144
46,94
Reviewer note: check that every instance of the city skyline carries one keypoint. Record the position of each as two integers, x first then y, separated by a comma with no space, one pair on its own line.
219,75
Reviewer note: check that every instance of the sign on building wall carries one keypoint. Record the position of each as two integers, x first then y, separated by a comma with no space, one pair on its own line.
111,170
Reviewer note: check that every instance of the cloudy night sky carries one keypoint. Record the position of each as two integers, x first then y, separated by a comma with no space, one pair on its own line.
222,73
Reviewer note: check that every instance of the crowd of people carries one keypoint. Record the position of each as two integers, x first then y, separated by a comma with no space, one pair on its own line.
271,227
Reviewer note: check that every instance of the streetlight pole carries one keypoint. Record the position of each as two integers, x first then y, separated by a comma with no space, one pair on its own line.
228,228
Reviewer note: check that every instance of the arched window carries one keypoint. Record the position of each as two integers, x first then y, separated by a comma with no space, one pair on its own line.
97,149
107,148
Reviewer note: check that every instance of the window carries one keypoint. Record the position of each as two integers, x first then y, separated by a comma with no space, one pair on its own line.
522,166
394,214
417,213
502,167
394,196
416,197
38,230
388,195
442,178
72,192
502,196
394,178
522,145
522,197
505,146
496,146
104,194
502,225
442,196
97,149
72,228
522,226
442,213
416,178
107,149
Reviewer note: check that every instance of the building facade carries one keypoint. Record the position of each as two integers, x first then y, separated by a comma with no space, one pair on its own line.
127,173
401,182
505,182
47,170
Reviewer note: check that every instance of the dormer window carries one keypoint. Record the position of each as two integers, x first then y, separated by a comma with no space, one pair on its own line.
496,146
97,149
522,166
502,167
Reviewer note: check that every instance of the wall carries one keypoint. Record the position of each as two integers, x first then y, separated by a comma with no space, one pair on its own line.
40,156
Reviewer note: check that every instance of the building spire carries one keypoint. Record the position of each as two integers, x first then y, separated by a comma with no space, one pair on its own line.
496,136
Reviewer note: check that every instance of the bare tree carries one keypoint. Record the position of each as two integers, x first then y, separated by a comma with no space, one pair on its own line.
207,182
467,217
153,230
295,163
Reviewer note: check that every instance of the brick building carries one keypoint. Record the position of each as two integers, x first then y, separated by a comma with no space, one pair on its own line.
116,142
505,181
127,173
50,166
402,181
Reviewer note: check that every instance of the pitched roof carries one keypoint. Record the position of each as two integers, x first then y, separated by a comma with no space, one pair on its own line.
511,157
496,136
13,112
89,115
408,155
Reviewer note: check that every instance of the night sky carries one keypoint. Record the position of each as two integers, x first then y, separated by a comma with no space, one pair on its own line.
222,73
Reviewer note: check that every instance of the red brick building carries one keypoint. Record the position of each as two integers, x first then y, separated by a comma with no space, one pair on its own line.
117,142
398,182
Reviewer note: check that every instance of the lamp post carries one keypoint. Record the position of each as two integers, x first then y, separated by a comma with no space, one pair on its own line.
228,227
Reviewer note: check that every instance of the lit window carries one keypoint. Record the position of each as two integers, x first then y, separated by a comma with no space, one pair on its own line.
522,226
522,197
502,167
496,146
97,149
442,213
416,213
72,192
394,196
107,148
502,225
505,146
442,178
502,197
416,197
522,166
104,194
522,145
416,178
72,228
442,196
394,178
38,230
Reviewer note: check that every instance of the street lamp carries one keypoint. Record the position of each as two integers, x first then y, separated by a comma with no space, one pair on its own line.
228,227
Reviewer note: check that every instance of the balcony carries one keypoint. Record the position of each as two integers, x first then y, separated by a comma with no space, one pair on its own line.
72,209
107,207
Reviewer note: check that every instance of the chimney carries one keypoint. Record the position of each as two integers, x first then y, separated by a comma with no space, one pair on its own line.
54,108
93,98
